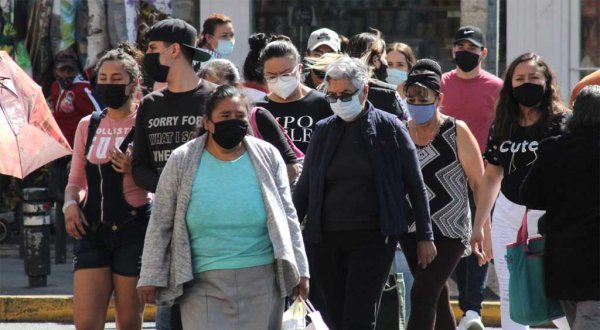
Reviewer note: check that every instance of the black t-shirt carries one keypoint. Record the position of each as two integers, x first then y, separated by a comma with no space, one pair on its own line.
271,132
165,120
350,201
299,117
517,154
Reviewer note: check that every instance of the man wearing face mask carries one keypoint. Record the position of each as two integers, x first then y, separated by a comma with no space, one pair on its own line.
169,117
71,95
359,166
470,95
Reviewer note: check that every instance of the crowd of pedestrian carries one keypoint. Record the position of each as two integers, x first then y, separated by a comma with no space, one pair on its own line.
220,193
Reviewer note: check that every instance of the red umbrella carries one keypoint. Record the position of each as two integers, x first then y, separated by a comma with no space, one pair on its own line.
29,135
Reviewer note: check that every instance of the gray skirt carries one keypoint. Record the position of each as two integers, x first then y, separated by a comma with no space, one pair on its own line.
246,298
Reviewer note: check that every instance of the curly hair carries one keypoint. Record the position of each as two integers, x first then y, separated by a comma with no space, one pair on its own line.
507,108
125,55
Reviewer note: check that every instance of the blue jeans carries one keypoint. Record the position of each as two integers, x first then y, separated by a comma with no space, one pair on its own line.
471,281
470,278
401,266
163,318
168,318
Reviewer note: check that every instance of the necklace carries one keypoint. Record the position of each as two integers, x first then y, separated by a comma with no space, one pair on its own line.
431,137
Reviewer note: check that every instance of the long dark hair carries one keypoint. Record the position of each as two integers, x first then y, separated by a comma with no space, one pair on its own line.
586,110
507,108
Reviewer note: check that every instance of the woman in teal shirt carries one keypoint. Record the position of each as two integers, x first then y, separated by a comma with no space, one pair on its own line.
224,238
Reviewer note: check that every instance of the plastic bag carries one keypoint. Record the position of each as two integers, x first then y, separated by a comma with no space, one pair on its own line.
294,317
316,320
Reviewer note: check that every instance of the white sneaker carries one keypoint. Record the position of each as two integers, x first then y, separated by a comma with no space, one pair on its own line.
471,321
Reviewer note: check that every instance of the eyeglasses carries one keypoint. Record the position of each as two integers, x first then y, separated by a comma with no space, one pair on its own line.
344,97
285,77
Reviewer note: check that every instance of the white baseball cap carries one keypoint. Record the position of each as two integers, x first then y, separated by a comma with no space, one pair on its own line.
324,36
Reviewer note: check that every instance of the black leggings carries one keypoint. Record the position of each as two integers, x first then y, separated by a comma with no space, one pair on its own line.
430,303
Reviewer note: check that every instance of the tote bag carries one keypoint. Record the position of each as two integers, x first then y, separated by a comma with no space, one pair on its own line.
528,302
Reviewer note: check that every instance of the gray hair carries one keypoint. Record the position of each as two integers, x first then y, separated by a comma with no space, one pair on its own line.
222,69
586,111
348,68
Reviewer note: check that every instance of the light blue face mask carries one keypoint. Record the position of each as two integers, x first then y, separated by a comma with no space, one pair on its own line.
347,110
225,47
396,77
421,113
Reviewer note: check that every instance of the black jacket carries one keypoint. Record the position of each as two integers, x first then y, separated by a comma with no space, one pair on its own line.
384,97
565,181
397,171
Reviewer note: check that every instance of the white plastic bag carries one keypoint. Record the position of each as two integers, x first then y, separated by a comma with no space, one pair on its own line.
316,320
294,317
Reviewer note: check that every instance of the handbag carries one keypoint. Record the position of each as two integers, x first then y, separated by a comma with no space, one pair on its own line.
391,314
528,302
299,154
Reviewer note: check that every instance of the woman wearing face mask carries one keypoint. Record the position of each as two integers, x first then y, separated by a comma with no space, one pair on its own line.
450,161
529,110
400,59
370,49
297,107
217,36
358,169
221,72
104,210
224,238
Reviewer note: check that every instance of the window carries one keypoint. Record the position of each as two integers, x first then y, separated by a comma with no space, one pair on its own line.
427,26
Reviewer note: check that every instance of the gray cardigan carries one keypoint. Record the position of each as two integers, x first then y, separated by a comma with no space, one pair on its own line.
167,258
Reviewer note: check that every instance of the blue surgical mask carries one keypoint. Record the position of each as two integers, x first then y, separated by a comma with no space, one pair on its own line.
225,47
348,111
396,77
421,113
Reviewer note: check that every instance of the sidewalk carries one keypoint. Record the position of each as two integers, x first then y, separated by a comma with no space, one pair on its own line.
52,303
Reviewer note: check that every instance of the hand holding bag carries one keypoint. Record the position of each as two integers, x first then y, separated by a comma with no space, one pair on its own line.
528,302
294,316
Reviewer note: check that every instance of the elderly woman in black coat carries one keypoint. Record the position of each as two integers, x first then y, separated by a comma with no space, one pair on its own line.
565,181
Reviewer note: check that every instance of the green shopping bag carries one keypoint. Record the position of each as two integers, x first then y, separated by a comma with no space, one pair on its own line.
528,302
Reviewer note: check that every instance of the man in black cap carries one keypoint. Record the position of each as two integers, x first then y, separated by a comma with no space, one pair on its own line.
469,95
169,117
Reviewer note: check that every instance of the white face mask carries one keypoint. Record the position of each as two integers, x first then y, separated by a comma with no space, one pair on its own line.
284,86
348,111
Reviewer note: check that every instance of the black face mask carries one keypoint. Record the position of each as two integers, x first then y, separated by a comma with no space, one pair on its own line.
112,95
466,61
65,83
528,94
381,73
154,69
230,133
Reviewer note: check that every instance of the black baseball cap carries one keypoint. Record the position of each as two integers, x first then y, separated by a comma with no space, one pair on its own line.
176,30
470,33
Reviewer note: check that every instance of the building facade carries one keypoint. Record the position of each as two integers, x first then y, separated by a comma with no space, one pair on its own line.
566,33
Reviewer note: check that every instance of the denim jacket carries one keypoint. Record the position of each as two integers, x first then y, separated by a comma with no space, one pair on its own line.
395,167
